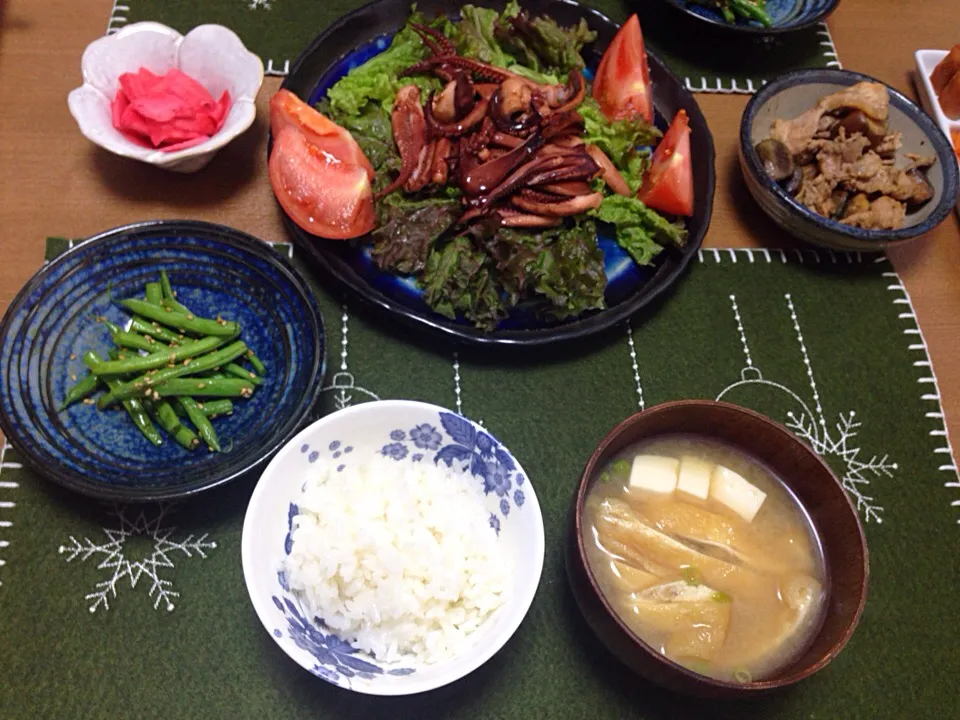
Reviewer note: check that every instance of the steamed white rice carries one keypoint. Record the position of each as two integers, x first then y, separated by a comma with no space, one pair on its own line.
397,557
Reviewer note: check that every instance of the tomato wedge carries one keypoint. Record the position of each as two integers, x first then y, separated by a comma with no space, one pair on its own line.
622,82
322,195
287,110
668,184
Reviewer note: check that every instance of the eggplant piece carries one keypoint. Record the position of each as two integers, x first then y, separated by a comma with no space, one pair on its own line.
776,158
857,121
795,181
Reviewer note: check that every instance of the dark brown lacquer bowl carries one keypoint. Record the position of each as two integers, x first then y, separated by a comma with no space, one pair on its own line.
816,487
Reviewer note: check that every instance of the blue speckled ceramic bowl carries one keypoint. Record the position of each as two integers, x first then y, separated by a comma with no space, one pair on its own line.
789,96
214,269
407,432
787,15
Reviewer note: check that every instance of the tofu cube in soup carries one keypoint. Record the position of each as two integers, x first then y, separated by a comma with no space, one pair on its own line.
737,493
654,473
694,477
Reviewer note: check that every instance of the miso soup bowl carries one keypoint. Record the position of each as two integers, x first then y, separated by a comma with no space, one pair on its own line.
834,519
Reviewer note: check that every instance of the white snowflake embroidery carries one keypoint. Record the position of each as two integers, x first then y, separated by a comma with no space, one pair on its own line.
809,422
113,558
857,474
343,383
256,4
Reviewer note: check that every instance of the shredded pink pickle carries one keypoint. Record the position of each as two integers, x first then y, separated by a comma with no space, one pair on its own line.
168,112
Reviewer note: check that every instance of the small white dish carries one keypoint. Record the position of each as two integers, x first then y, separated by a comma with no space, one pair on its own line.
926,61
211,54
406,432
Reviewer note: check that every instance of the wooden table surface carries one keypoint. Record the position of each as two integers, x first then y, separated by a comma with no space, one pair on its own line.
54,182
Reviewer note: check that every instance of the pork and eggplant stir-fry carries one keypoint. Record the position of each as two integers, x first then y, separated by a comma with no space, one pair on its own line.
840,159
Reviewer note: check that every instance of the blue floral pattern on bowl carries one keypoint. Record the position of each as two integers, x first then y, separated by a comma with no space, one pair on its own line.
401,431
458,440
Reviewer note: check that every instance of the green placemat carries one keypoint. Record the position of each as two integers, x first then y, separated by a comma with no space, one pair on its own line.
279,30
126,612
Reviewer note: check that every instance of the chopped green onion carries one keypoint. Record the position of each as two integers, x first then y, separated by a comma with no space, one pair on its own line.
721,597
620,467
690,574
604,477
742,676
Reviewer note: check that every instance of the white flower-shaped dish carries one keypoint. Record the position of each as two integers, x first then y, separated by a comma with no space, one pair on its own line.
211,54
406,432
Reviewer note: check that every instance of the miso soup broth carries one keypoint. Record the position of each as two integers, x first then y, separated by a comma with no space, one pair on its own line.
706,556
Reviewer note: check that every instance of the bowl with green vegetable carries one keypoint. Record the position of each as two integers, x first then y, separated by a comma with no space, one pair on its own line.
157,360
515,174
757,17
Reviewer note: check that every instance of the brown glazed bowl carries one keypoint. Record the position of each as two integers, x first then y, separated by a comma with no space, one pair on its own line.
816,487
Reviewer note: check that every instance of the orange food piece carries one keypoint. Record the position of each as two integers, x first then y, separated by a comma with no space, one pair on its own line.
945,70
622,82
955,136
950,98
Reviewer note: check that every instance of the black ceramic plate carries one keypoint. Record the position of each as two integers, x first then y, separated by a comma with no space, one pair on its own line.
360,35
215,269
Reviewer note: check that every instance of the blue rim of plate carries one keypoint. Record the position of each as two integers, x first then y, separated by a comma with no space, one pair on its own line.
941,145
105,456
361,29
715,20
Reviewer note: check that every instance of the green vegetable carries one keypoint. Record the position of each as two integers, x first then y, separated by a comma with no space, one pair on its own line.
542,44
153,293
407,229
620,467
745,9
742,676
377,80
204,387
84,387
145,327
373,131
242,372
460,278
639,230
256,362
133,406
169,296
212,408
159,359
605,477
622,140
476,34
200,421
163,413
145,384
563,265
690,574
137,342
180,320
721,597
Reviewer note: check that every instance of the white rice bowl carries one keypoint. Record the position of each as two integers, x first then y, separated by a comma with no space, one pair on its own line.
380,567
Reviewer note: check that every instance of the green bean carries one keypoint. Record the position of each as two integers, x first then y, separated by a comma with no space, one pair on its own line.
753,11
169,296
211,408
140,325
138,342
155,378
256,362
84,387
728,14
203,387
134,408
200,421
183,321
154,293
242,372
163,413
159,359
